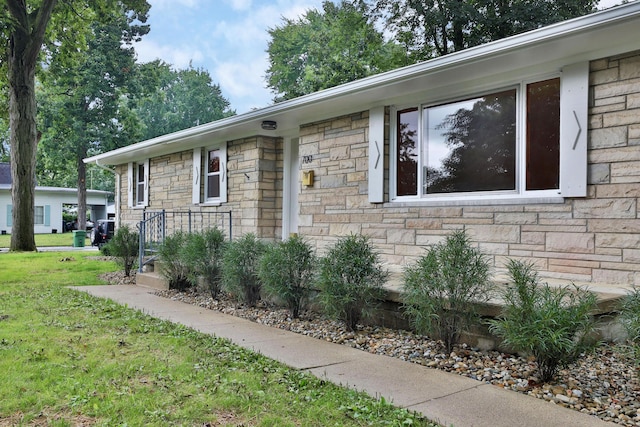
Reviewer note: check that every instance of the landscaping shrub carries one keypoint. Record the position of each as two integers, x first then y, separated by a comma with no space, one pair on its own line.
351,280
124,245
442,288
173,266
202,254
240,269
552,324
630,318
287,270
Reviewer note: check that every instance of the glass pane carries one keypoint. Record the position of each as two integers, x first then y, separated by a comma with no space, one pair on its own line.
38,215
471,145
407,155
140,173
214,161
213,186
543,135
140,193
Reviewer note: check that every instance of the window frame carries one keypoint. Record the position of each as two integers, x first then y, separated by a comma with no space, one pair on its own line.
200,175
36,215
573,92
134,182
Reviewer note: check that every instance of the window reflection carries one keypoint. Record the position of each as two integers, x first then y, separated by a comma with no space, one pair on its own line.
471,145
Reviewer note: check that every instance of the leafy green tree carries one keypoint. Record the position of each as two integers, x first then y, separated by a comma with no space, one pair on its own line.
84,109
25,27
430,28
327,48
179,99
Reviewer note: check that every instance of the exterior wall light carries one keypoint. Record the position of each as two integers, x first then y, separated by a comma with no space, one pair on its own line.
269,125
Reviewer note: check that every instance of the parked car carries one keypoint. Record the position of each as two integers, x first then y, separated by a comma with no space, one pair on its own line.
102,232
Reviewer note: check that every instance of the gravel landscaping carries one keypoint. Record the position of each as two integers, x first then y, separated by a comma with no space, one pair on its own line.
605,383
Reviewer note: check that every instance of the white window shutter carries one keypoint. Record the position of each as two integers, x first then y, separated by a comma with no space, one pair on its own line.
197,176
574,106
224,175
146,182
376,155
47,215
130,183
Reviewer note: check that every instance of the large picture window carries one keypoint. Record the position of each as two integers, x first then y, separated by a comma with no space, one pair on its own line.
505,141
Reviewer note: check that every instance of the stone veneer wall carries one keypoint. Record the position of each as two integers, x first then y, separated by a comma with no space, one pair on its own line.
254,189
595,239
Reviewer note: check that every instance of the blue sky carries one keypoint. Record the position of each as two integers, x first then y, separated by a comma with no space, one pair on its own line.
228,38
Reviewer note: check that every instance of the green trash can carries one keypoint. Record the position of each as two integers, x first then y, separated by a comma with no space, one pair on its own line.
78,238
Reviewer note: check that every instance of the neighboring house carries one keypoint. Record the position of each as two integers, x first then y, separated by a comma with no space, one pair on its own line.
530,143
48,203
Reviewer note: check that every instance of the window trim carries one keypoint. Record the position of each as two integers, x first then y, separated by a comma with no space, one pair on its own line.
132,184
573,149
199,170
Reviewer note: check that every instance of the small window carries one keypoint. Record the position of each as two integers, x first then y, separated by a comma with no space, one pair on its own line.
210,175
38,215
140,184
213,175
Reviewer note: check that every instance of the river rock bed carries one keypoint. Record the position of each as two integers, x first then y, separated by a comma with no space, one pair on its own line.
605,383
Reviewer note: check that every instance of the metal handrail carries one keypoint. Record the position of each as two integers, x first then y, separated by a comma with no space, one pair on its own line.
157,225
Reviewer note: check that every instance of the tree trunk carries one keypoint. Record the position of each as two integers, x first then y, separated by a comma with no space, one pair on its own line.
27,35
22,122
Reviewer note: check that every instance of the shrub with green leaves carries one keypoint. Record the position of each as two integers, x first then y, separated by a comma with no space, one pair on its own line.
173,265
240,269
630,319
202,253
351,280
124,245
287,271
553,324
443,287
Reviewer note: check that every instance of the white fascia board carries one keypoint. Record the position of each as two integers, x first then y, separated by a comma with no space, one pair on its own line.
605,33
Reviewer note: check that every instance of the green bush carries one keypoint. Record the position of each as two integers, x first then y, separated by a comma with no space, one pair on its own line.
351,280
442,288
552,324
124,245
173,265
287,270
630,318
202,254
240,269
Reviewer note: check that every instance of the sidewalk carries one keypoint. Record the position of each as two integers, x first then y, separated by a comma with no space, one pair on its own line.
449,399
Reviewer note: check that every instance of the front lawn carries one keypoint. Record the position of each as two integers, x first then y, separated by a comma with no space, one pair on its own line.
71,359
43,240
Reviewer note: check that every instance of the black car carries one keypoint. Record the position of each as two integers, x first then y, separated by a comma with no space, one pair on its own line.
102,232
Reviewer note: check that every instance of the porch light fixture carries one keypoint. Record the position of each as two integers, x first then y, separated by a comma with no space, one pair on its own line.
269,125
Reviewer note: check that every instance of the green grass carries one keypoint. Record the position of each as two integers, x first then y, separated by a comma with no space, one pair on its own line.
68,358
42,240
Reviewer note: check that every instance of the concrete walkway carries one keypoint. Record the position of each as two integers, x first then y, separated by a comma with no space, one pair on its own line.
449,399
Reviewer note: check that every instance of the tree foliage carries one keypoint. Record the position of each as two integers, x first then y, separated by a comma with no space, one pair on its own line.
62,28
177,99
430,28
84,100
327,48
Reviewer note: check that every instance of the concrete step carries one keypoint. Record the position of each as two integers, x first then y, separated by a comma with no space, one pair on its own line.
152,280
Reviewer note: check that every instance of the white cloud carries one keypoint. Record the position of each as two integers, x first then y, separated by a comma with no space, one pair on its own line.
178,56
169,4
239,4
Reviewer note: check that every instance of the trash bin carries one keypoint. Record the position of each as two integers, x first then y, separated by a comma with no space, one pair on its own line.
78,238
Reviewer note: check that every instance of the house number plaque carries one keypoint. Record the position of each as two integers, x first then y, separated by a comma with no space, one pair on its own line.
307,159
